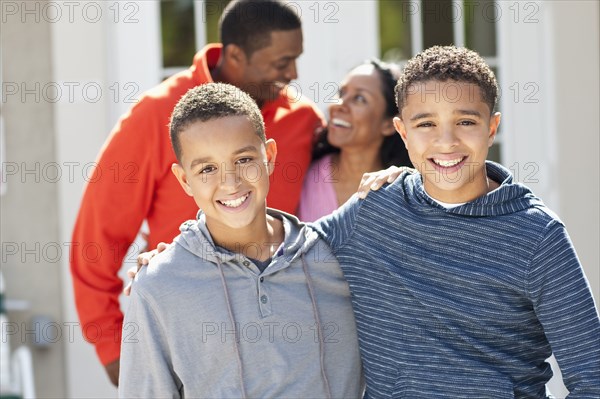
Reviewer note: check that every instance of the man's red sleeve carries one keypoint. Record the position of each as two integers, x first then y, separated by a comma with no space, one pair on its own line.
115,202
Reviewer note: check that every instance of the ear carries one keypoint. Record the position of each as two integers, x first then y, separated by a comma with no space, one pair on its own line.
234,55
271,149
401,129
387,127
179,173
494,123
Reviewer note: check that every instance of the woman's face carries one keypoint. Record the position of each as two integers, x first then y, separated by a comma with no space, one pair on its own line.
357,119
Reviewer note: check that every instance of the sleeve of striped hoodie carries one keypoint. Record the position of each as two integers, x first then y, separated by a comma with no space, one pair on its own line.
564,305
335,229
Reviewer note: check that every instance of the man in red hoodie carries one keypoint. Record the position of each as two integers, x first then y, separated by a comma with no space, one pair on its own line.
132,182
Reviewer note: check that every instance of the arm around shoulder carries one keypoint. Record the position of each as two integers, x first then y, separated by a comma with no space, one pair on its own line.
337,228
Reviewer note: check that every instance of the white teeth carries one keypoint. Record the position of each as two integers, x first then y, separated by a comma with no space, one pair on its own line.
236,202
340,122
447,163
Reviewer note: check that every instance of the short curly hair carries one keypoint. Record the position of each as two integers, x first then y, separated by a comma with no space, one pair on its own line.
443,63
213,101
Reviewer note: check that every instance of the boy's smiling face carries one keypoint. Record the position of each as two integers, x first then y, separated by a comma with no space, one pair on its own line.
225,166
447,129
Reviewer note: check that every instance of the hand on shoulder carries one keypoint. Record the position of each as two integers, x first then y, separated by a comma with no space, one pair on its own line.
143,259
373,181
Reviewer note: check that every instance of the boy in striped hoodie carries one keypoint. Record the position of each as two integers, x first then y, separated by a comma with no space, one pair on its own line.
463,282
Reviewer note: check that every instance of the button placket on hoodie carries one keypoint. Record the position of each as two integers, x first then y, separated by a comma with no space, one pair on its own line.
263,298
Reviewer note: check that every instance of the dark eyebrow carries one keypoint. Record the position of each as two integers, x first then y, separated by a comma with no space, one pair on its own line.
468,112
421,116
248,148
358,89
365,90
284,59
199,161
459,112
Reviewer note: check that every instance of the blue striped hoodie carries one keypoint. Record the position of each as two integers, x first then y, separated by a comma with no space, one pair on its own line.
465,302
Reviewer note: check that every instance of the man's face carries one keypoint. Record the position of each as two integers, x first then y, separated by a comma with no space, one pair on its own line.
447,129
269,69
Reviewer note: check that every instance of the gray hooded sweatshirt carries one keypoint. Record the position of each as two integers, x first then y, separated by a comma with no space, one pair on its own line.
205,322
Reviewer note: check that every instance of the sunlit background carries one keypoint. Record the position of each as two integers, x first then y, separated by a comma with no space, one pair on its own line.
70,69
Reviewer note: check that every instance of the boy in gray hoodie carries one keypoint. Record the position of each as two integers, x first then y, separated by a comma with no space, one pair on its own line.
248,302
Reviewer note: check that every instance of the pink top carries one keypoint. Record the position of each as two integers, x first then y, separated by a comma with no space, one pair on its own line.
318,196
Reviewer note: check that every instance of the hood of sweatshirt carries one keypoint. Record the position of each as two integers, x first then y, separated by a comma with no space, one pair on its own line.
509,198
196,238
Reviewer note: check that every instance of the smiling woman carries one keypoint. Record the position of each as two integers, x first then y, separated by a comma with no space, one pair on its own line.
359,138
